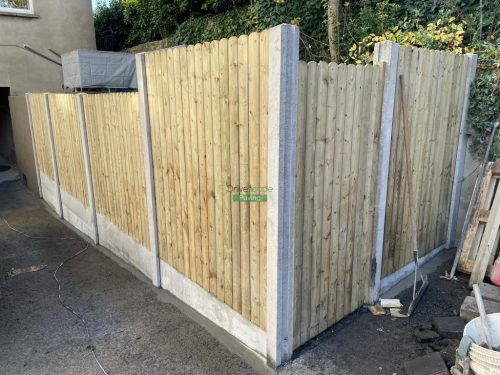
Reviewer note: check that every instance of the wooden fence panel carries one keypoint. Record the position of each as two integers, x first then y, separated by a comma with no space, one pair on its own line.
336,180
41,134
208,106
435,84
117,161
68,145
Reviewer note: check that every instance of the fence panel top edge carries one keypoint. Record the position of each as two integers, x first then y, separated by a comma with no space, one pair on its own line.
437,52
207,42
330,64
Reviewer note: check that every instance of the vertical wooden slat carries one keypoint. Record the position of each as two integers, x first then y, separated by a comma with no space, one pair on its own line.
338,79
218,259
225,171
264,104
188,108
309,197
182,107
195,254
174,104
299,203
235,169
330,111
202,253
244,173
254,173
207,95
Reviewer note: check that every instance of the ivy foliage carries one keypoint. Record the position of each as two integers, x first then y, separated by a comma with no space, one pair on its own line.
455,25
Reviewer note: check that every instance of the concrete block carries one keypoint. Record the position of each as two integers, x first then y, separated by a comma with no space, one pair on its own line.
430,364
489,292
426,335
469,311
450,327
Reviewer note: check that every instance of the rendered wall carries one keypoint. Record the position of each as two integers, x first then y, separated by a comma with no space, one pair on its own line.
62,25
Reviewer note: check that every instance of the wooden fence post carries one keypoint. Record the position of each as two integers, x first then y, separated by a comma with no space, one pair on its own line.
58,207
35,154
148,166
387,53
461,153
86,163
283,87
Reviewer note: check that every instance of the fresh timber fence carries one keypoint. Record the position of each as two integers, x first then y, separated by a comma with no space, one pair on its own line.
208,103
337,161
266,193
435,83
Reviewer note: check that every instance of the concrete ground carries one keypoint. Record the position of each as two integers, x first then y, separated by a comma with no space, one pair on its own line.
135,328
138,329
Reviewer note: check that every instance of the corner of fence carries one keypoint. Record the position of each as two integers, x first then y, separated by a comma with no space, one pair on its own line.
283,87
461,153
387,53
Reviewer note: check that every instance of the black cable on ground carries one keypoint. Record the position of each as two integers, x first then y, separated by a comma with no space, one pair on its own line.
61,301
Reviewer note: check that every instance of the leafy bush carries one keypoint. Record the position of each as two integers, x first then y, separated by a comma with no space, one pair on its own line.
440,35
208,28
110,27
485,99
455,25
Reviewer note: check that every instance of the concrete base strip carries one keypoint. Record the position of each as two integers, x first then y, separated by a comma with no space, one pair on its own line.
48,188
77,214
389,281
209,306
124,246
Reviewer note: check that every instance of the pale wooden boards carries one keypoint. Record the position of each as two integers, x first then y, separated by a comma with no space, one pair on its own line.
41,134
68,145
208,106
436,84
481,240
117,161
336,178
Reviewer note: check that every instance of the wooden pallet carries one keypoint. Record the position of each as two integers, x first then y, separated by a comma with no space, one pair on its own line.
482,236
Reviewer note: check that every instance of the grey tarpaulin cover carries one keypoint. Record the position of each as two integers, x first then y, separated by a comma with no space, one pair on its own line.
85,68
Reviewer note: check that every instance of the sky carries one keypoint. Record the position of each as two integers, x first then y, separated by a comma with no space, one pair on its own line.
94,3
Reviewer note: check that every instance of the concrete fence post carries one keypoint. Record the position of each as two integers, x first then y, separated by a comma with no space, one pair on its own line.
35,154
283,87
461,153
148,166
58,207
386,53
88,169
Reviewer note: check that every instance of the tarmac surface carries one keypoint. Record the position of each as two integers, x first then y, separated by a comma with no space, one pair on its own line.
138,329
134,328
